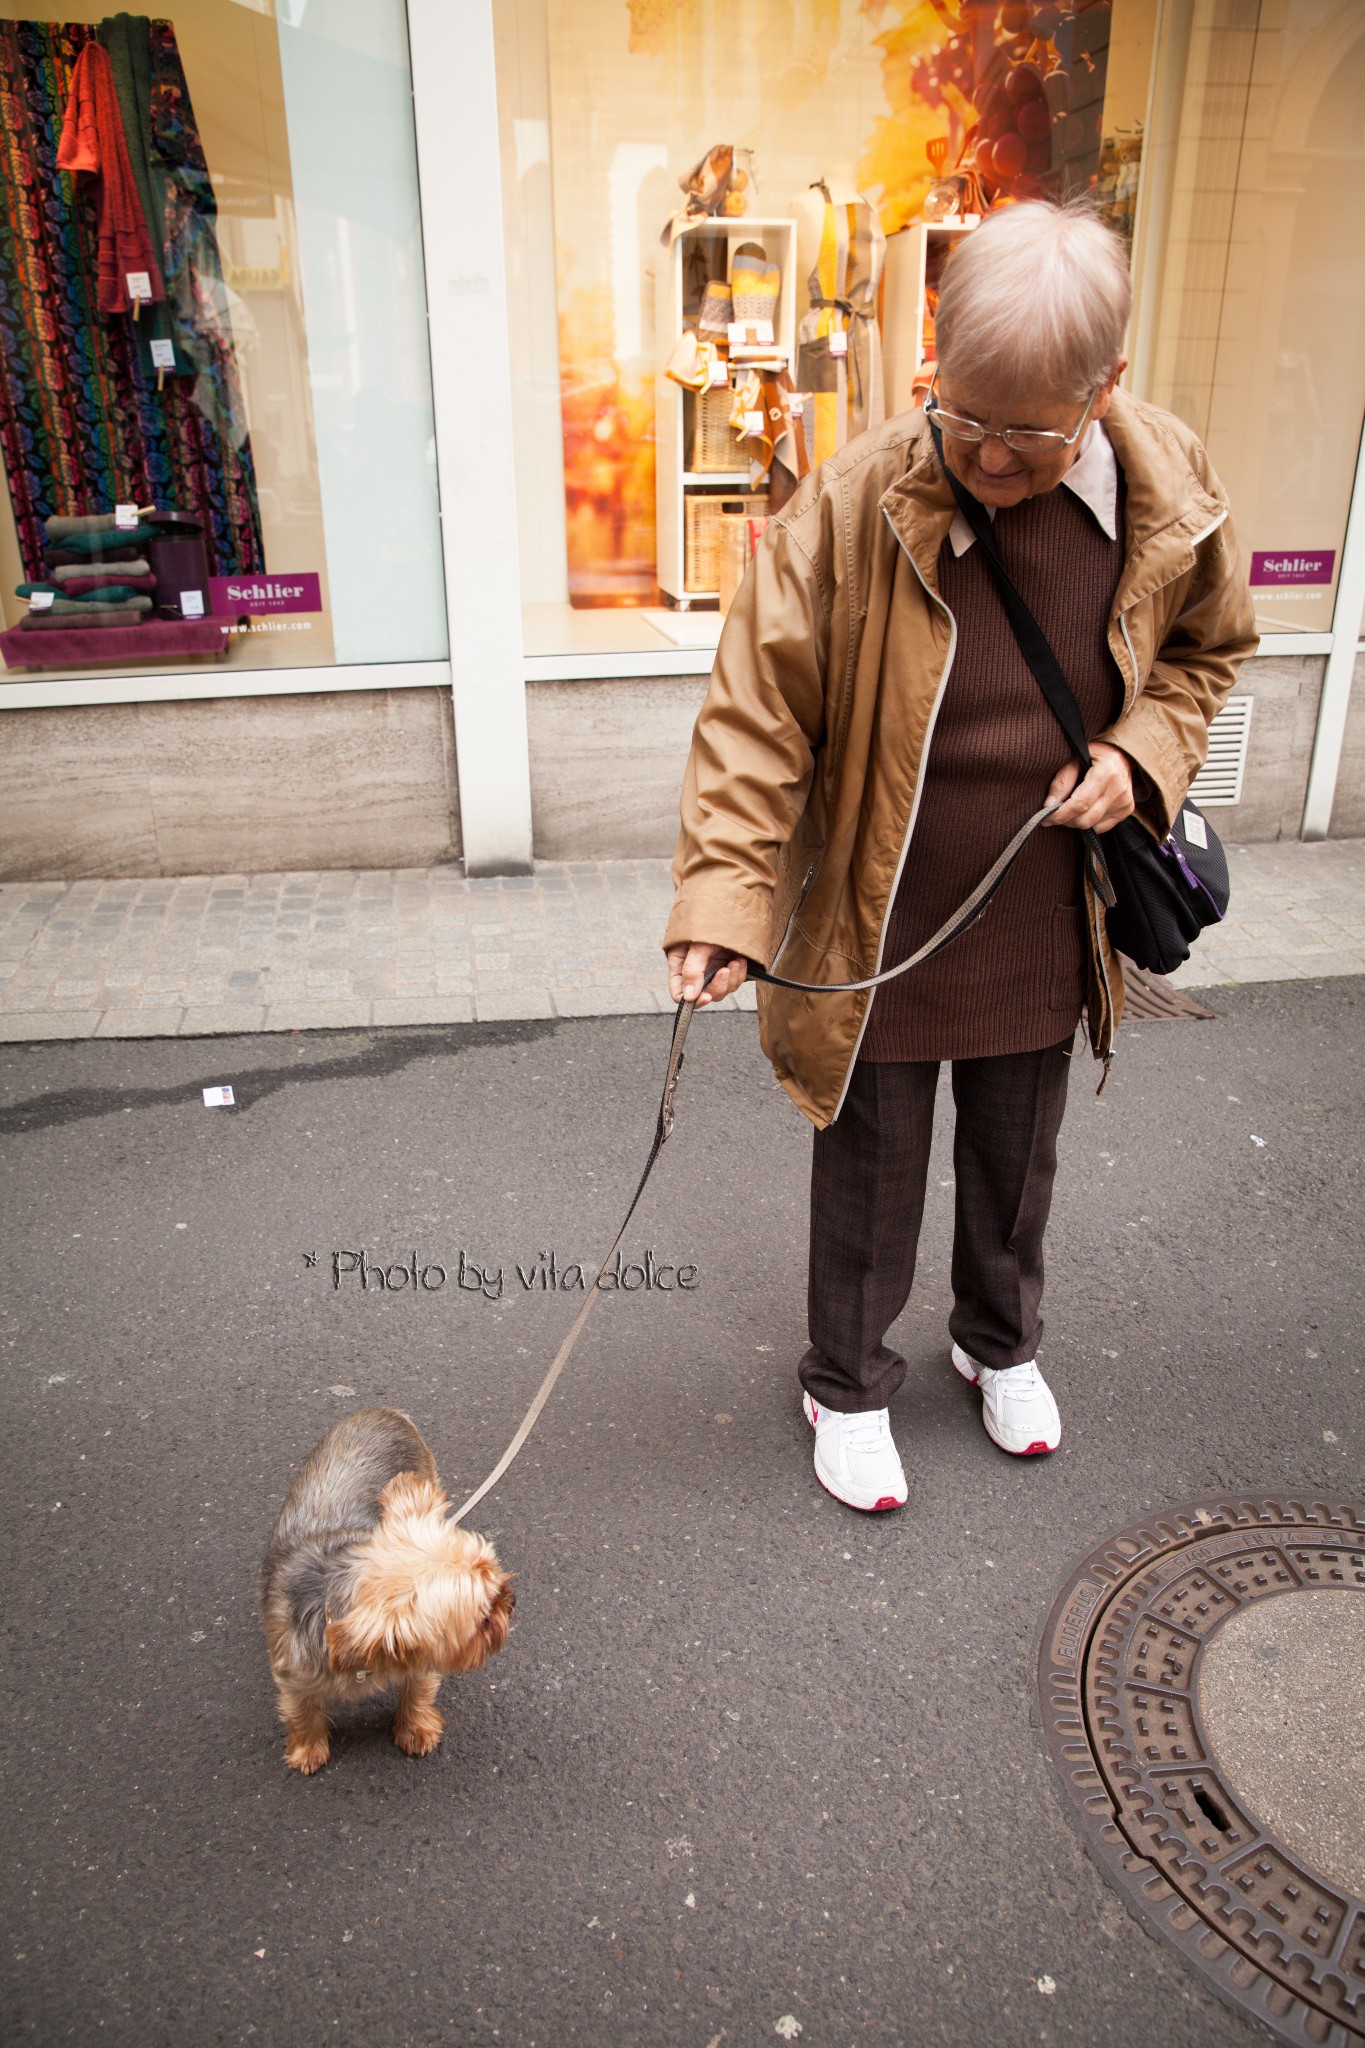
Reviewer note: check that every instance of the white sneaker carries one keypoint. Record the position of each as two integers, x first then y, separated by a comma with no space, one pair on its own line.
1016,1405
856,1457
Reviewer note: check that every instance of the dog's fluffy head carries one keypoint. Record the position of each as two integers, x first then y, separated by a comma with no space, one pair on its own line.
428,1595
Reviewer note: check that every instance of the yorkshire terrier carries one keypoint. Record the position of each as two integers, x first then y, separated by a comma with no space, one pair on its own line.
366,1584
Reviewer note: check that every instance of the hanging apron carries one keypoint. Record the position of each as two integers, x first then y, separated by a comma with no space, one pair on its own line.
846,389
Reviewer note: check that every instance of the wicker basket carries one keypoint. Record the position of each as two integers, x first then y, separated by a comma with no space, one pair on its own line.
715,444
702,529
738,534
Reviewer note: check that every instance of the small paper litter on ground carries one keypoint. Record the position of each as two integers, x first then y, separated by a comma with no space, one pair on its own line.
219,1098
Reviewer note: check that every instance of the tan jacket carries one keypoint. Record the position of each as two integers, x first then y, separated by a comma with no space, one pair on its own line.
799,799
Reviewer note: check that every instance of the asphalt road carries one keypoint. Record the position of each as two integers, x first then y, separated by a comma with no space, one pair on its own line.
750,1761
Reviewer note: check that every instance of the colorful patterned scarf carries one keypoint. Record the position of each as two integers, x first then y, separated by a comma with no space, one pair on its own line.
82,424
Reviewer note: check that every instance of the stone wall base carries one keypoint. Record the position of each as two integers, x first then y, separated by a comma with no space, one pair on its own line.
366,778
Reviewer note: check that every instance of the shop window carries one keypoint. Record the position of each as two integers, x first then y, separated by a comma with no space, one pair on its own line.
1223,148
1251,275
212,315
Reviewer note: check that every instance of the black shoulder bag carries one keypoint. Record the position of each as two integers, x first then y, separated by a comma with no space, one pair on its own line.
1159,893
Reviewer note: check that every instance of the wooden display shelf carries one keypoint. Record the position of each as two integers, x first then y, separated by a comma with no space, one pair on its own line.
674,481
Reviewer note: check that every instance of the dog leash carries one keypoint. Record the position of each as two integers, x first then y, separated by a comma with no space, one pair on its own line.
966,913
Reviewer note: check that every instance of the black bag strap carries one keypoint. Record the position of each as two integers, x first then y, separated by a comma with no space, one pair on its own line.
1036,649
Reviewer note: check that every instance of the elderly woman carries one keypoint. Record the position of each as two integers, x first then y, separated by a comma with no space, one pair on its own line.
872,738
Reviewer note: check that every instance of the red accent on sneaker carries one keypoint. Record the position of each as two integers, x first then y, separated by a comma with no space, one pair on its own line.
1036,1449
885,1502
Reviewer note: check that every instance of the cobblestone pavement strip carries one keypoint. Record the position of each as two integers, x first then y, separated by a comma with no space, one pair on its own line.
197,955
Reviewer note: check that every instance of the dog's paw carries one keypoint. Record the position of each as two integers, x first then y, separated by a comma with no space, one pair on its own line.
307,1756
419,1734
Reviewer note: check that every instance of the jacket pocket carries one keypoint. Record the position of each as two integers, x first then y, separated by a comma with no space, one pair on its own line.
804,891
798,866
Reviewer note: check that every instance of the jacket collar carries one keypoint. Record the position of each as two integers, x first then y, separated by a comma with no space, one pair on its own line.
1093,478
920,504
1166,507
1167,510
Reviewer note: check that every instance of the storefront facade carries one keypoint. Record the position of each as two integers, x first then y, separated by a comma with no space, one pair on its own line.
399,356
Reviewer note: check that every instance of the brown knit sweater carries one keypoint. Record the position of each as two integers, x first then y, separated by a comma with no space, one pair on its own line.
1015,981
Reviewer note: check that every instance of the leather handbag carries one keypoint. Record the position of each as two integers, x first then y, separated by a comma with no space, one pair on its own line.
1159,893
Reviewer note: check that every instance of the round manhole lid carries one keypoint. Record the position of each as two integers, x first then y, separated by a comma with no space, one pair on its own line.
1158,1808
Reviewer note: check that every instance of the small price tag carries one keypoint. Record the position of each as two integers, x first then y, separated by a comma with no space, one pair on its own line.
191,604
763,330
838,343
753,423
139,284
41,600
737,333
1196,831
125,517
162,353
717,373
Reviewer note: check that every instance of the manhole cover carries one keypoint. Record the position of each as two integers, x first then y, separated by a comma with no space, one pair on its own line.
1160,1811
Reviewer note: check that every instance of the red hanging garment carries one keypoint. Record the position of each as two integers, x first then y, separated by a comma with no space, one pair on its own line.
93,141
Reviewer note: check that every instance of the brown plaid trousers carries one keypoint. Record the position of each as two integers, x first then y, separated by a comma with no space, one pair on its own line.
868,1174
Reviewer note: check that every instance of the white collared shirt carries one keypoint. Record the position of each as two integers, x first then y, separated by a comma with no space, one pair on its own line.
1093,476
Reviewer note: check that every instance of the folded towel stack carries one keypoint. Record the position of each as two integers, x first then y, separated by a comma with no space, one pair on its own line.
109,597
80,580
59,529
97,575
49,622
99,547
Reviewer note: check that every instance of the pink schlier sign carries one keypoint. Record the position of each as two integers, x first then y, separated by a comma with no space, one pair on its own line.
1303,566
262,592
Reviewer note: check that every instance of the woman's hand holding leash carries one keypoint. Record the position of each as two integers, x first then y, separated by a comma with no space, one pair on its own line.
1101,798
690,974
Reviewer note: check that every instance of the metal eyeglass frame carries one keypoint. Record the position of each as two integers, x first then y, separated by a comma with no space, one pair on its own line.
1051,438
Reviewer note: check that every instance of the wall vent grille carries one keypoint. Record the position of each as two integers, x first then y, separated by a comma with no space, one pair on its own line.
1219,781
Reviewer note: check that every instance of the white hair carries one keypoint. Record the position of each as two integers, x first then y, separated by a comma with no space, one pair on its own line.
1034,302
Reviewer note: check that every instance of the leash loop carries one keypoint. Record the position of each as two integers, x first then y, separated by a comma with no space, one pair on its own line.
966,914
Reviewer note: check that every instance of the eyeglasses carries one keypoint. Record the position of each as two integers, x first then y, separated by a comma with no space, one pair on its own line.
1023,440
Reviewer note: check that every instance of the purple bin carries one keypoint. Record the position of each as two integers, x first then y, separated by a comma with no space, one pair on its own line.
180,565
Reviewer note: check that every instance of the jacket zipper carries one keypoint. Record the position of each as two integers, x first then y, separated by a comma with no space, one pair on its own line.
1132,656
1129,701
1098,908
934,598
1108,1055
